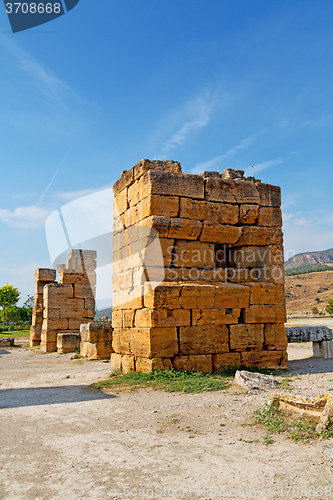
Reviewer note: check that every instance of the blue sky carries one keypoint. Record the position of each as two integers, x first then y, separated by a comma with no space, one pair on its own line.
219,83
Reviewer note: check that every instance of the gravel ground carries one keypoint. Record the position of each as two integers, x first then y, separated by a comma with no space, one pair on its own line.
62,439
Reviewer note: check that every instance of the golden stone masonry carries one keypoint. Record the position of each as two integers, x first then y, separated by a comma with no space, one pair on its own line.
198,277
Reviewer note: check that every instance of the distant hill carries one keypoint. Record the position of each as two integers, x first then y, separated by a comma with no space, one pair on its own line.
103,312
310,261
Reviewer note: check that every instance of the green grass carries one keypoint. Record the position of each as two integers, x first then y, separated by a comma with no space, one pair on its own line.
16,333
286,382
276,421
167,380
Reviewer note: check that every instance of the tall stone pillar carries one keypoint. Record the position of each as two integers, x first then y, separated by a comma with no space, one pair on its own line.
198,279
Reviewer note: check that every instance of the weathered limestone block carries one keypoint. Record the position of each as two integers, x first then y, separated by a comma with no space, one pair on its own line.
193,254
275,337
146,365
143,166
248,214
120,202
63,303
69,278
230,295
45,275
171,184
96,331
149,318
323,349
193,296
146,342
231,173
226,360
270,196
68,341
84,291
184,229
116,362
154,204
76,253
82,264
309,333
55,313
246,337
218,233
249,256
6,342
265,359
252,381
215,316
46,346
158,342
55,291
206,339
128,364
200,363
96,350
263,293
217,274
164,295
208,211
260,236
269,217
35,335
266,314
230,191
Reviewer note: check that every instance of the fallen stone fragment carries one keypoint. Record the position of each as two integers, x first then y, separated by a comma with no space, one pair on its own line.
7,342
321,405
74,356
252,381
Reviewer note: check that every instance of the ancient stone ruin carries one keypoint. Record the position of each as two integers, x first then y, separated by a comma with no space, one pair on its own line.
61,308
198,278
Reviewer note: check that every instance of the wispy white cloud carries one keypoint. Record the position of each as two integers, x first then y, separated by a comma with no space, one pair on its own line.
243,144
198,113
24,217
37,75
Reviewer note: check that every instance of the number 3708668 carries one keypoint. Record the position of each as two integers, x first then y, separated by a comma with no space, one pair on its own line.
33,8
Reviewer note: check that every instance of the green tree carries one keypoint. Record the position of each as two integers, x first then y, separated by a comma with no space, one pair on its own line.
13,313
9,296
329,308
26,309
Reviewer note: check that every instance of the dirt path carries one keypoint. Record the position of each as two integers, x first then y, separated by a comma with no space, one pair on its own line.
61,439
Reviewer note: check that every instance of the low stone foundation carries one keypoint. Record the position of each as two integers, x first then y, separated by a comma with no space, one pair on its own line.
96,340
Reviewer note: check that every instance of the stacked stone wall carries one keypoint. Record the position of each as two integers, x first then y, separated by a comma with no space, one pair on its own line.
62,307
42,278
198,277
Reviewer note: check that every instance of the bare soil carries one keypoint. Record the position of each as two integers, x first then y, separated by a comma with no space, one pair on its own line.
302,291
62,439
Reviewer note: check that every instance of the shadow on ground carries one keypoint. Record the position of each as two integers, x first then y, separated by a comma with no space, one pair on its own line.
311,365
15,398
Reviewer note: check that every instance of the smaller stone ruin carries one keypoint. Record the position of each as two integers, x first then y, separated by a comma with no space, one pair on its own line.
61,308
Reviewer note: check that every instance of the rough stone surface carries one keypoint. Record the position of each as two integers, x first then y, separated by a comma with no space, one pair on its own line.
198,279
7,342
309,333
63,306
252,381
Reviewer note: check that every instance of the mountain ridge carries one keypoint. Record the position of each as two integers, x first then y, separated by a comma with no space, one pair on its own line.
308,261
